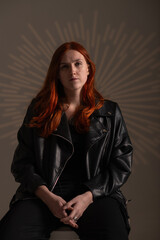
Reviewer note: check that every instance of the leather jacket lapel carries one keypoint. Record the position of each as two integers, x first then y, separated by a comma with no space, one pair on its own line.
96,131
63,129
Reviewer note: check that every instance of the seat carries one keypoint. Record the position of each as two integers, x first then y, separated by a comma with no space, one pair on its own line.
64,233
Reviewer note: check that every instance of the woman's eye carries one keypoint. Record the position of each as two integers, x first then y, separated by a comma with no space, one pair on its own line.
63,66
77,64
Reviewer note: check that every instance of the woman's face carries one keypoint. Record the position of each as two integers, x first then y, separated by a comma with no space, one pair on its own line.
73,72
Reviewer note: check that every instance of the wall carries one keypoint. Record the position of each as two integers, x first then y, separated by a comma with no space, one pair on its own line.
123,40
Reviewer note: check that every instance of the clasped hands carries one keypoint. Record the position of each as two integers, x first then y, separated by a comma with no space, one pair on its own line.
67,212
70,212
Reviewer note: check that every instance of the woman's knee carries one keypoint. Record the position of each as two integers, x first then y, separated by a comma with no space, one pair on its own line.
102,220
26,218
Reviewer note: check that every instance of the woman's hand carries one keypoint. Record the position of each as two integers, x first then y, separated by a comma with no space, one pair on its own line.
78,206
54,202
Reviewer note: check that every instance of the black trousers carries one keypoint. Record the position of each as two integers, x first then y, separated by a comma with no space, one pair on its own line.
32,220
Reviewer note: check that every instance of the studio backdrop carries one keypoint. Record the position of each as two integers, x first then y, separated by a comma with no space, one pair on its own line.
123,39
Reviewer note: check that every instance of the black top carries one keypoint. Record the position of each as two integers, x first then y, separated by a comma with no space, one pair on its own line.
74,173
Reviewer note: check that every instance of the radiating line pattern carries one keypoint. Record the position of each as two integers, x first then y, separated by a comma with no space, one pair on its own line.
127,72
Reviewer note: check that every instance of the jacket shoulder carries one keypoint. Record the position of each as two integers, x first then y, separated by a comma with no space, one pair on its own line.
108,108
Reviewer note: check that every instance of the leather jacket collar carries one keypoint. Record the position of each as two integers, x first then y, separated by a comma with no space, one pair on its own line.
96,129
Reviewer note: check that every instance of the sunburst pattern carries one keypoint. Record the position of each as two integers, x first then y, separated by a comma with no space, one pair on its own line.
127,72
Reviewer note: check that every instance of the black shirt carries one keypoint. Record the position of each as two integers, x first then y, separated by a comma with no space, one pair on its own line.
74,173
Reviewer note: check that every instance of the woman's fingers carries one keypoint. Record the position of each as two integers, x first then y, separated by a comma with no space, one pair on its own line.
73,223
64,214
68,205
76,206
73,216
69,221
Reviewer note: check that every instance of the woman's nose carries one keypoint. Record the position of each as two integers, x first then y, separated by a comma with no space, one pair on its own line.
72,69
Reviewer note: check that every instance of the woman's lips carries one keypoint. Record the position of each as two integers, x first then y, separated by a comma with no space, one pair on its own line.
73,79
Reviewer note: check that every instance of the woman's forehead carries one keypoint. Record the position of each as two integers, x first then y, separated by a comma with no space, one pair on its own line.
72,56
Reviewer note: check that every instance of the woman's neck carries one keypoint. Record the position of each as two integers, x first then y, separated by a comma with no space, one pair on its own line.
73,98
73,101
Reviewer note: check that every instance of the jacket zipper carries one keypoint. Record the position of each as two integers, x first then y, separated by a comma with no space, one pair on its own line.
71,156
65,162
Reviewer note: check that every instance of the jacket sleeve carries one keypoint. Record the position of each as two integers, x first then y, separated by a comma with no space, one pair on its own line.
23,166
116,172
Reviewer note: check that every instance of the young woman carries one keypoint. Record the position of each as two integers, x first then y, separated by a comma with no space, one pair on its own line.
74,154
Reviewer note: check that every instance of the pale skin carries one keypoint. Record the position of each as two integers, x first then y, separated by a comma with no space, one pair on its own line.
73,75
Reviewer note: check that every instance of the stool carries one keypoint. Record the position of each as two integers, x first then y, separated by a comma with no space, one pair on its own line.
64,233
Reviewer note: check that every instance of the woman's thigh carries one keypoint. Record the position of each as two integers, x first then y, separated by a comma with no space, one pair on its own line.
103,220
28,220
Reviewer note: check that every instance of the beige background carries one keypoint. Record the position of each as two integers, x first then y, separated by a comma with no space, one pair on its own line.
123,40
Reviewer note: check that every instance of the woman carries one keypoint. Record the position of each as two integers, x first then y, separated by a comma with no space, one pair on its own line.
73,156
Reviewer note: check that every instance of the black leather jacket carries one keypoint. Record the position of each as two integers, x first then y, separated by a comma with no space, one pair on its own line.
38,161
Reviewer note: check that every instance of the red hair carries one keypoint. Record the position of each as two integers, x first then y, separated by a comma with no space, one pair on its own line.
49,101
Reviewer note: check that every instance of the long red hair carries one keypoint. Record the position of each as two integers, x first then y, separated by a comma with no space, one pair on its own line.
49,101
